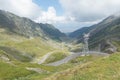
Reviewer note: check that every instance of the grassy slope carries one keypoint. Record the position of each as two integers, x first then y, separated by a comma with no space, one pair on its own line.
15,51
35,47
53,70
10,72
13,68
102,69
79,68
56,56
28,45
48,70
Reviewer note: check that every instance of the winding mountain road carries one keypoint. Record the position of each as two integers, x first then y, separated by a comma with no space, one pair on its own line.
73,56
45,57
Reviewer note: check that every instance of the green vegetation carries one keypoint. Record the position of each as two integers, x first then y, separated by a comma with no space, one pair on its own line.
107,68
56,56
33,47
17,52
81,68
84,59
76,48
21,51
17,45
23,43
10,72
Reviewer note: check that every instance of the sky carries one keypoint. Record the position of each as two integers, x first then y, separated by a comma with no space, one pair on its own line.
66,15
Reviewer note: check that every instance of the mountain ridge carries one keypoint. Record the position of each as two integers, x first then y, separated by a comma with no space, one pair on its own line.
27,27
108,29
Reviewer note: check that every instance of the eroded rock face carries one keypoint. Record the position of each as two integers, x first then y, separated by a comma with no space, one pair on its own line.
108,47
5,58
110,50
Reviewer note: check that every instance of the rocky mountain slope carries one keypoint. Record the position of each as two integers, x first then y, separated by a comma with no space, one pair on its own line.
26,49
79,33
101,33
27,27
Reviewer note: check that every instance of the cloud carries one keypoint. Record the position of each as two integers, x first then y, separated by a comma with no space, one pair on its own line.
90,10
78,13
50,16
24,8
27,8
71,26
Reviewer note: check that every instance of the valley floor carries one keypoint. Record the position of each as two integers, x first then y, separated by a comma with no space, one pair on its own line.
19,58
92,67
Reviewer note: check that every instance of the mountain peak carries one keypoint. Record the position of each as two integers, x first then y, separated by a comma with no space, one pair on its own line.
27,27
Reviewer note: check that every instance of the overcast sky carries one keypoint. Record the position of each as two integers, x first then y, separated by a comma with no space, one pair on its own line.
66,15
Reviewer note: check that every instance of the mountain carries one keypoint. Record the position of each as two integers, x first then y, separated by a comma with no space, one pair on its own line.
26,49
51,31
79,33
24,43
26,27
102,35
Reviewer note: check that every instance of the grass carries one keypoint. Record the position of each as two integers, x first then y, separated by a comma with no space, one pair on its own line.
10,72
84,59
50,70
20,51
16,45
76,48
11,52
34,47
56,56
102,69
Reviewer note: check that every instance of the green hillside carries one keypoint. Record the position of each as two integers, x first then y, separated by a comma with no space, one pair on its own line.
21,53
107,68
10,72
27,49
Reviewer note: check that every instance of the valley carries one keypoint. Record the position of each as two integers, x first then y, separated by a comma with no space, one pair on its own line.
37,51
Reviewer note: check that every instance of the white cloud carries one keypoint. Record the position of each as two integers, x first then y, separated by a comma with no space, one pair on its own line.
78,13
50,16
27,8
24,8
90,10
71,26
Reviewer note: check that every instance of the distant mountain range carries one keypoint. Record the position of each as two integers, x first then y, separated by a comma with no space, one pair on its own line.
26,27
101,34
27,49
104,36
